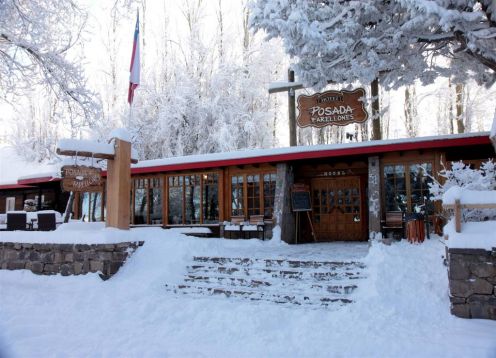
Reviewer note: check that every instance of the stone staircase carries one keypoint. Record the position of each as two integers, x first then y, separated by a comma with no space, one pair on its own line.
318,283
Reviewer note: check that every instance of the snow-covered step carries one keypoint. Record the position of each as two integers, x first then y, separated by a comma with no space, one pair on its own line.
223,261
301,282
306,274
269,285
283,297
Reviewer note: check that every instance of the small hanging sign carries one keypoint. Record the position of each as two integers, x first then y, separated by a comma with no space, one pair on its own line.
332,108
81,178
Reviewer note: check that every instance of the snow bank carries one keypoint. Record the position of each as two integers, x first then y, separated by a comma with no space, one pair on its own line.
468,196
77,233
401,310
474,235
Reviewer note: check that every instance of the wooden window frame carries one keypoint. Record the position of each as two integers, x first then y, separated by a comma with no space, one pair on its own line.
250,172
147,180
406,163
201,185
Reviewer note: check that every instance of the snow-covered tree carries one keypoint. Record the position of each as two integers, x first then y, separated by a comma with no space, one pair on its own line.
462,175
210,95
398,40
35,39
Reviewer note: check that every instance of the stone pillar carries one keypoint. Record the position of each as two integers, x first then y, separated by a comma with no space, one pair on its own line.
119,186
374,194
283,215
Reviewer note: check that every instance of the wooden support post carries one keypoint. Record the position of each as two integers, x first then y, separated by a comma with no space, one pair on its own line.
119,186
292,110
458,216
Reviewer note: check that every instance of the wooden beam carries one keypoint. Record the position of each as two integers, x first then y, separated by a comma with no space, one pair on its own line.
74,153
458,216
286,87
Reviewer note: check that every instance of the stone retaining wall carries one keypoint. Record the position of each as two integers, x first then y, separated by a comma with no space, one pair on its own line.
66,259
472,282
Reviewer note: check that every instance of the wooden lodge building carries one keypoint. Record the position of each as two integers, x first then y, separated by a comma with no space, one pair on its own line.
351,186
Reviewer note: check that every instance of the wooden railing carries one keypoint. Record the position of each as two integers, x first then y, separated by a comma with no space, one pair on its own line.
457,207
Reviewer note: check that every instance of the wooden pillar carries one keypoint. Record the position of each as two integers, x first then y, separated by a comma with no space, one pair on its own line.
374,189
292,110
119,186
283,214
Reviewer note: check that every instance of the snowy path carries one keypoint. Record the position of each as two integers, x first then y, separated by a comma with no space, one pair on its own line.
401,309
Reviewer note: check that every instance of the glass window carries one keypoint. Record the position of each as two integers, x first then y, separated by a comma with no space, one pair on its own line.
237,195
395,187
175,200
399,196
269,194
419,184
91,206
210,198
85,206
253,194
193,199
192,196
96,206
155,201
140,201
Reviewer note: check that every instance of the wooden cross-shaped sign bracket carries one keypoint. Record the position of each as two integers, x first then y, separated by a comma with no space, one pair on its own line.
74,153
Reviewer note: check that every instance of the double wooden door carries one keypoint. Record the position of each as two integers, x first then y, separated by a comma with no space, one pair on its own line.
337,209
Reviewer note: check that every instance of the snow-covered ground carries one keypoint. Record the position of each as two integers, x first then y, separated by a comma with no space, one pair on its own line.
401,309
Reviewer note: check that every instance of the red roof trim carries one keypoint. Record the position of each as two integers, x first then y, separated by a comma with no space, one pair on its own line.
14,186
372,149
37,180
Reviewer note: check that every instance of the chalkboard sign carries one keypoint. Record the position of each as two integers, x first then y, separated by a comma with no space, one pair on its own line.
301,201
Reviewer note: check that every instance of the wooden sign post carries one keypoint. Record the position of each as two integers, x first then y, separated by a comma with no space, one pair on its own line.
118,180
119,186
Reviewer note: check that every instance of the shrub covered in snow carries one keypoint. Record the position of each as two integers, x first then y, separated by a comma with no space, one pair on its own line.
465,177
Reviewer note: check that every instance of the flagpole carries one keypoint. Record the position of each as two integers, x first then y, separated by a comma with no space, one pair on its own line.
134,78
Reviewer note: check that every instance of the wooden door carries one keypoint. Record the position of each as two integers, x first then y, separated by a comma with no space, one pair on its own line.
337,213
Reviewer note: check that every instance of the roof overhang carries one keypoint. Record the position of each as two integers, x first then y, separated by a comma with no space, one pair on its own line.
345,150
38,180
14,186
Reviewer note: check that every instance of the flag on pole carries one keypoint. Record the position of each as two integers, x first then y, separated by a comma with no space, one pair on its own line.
134,78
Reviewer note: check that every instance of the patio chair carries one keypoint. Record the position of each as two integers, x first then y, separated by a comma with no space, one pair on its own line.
46,222
16,221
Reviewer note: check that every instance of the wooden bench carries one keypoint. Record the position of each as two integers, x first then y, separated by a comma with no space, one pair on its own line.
393,222
234,225
255,224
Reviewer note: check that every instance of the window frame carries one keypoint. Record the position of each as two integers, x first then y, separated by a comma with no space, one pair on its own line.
203,176
406,163
261,173
148,186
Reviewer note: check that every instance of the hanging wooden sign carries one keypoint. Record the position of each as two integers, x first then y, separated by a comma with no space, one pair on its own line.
81,178
332,108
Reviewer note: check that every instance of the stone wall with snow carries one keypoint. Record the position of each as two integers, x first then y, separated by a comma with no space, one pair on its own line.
472,282
66,259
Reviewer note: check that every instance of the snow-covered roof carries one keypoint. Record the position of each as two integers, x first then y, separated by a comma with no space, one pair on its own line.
274,155
91,146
